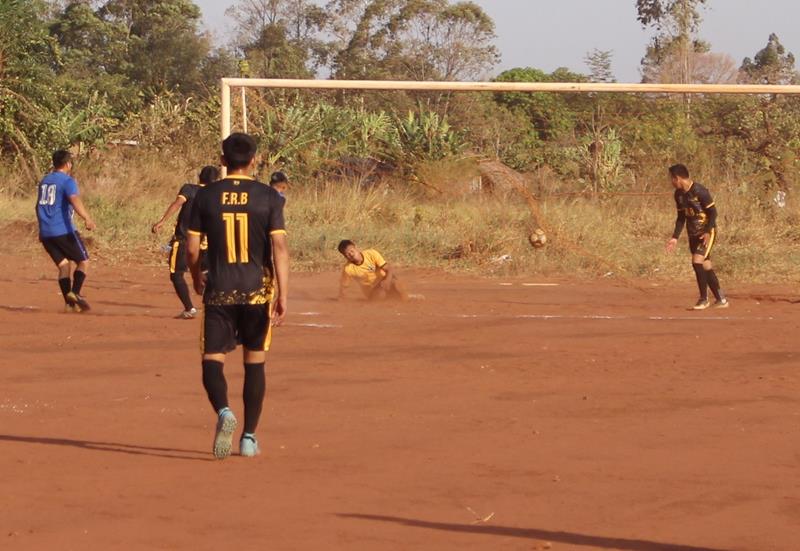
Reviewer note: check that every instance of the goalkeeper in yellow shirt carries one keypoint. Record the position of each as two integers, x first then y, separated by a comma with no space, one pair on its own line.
377,280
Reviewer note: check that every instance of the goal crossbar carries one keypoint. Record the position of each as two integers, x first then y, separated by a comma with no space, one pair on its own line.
408,85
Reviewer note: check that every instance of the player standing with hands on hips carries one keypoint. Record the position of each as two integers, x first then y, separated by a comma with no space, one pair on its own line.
243,221
697,212
57,200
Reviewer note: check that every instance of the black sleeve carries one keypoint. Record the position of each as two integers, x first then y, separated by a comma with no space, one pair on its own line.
195,218
707,202
680,221
276,223
187,191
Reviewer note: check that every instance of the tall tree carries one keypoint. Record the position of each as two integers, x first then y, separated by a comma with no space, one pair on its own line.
27,55
599,63
279,38
676,23
414,39
771,65
165,47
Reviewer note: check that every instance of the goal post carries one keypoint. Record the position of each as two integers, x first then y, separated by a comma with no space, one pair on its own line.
451,86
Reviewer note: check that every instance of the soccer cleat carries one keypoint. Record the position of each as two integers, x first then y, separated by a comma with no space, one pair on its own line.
78,303
722,303
248,446
702,304
188,314
223,439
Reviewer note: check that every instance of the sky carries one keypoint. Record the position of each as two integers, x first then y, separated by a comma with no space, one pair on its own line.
547,34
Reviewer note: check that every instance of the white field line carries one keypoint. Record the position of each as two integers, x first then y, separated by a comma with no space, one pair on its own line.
315,325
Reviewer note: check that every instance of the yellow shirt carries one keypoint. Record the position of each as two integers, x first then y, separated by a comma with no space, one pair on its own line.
367,272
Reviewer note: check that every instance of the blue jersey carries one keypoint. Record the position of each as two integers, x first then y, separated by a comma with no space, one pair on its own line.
53,208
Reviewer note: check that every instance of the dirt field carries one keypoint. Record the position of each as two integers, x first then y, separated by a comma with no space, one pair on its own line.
486,416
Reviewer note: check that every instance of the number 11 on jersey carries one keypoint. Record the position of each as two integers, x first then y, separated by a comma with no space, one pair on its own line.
234,222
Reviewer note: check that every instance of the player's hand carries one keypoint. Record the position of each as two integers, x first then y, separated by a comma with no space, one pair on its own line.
705,238
279,311
671,245
156,227
90,225
199,284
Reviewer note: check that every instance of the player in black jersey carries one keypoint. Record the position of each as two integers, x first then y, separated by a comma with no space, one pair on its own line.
177,250
697,212
243,221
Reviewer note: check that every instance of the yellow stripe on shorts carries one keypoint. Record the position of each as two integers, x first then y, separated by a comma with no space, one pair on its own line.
711,241
173,258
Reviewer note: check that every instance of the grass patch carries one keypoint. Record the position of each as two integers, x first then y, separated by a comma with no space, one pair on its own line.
476,234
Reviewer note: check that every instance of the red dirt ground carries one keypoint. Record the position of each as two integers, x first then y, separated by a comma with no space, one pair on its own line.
452,422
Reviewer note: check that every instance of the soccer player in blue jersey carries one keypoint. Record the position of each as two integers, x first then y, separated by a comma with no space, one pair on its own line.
57,200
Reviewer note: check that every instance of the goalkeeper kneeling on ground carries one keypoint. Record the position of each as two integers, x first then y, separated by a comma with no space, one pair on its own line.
377,280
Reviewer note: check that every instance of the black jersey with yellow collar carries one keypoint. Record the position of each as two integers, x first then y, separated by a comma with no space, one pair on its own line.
238,214
696,210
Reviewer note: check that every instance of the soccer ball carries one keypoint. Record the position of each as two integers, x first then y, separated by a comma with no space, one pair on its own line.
538,238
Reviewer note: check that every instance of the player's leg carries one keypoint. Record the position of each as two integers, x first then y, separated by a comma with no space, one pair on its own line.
697,248
218,338
711,276
76,252
256,333
64,282
397,289
52,245
177,270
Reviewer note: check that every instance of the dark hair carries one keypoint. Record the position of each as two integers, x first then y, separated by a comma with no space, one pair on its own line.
208,174
343,244
238,150
61,158
277,178
679,171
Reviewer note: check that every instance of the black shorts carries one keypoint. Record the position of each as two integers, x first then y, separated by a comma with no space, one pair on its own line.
696,245
68,246
224,327
179,257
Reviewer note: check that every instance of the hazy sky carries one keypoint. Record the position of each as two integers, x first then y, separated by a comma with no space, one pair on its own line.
547,34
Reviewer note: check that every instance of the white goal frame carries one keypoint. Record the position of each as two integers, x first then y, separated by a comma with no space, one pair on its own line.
407,85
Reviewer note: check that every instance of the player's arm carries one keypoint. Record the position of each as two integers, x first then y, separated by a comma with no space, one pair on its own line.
194,235
77,204
680,222
344,283
193,258
384,274
280,260
174,207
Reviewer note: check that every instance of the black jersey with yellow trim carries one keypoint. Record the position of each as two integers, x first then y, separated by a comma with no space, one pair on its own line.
188,192
238,215
696,206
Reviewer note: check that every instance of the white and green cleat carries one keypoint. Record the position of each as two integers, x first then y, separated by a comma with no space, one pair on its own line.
223,439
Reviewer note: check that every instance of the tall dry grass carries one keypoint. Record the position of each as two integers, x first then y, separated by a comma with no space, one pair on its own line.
459,232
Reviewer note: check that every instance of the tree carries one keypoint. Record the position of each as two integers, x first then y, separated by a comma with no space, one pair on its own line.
280,38
676,22
599,63
165,49
412,39
771,65
27,55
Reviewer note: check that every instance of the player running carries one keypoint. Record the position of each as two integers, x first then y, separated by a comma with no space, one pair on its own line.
177,248
58,198
377,280
697,212
243,221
